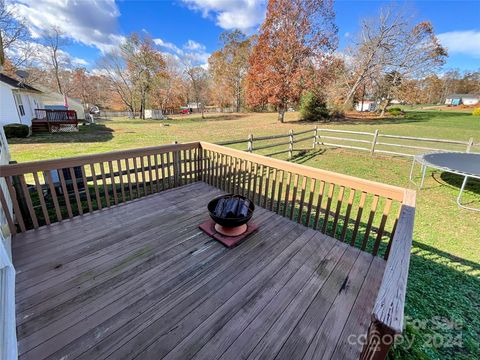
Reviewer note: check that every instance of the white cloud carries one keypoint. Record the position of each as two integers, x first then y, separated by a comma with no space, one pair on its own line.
38,55
192,50
194,46
231,14
90,22
167,45
461,42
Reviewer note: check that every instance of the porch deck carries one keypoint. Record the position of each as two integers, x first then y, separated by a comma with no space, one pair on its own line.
140,280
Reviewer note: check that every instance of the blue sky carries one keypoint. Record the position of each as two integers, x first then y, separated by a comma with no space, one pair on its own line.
96,26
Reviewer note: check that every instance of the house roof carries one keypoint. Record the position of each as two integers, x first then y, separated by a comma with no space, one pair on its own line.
456,96
15,83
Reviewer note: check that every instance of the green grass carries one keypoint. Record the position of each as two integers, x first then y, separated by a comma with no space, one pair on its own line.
444,280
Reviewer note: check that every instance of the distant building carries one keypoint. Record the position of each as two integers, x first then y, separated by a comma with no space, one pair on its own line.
366,105
465,99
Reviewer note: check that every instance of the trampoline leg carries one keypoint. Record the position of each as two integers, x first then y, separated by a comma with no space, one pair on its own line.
424,172
411,170
459,198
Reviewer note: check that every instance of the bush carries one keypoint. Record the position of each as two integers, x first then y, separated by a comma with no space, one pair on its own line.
476,112
313,108
16,131
395,111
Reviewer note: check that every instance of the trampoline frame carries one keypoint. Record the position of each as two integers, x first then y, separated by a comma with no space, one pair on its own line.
425,164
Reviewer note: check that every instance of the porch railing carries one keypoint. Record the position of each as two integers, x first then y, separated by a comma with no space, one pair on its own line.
375,217
56,115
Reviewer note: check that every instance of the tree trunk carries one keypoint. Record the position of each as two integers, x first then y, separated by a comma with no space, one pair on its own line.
281,113
384,108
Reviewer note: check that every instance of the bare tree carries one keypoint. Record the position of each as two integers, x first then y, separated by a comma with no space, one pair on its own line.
391,48
115,69
13,32
198,78
57,59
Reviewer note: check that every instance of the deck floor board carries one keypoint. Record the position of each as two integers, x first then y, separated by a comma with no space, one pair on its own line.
140,280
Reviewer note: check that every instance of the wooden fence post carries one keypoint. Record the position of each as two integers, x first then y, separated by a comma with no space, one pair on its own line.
250,143
290,145
374,142
470,144
315,136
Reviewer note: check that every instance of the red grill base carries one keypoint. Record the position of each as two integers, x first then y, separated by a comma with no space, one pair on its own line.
212,229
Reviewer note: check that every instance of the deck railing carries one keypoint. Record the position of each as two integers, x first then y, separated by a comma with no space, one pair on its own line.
56,115
375,217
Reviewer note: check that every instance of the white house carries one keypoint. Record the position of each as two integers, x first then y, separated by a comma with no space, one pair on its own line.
465,99
18,101
366,105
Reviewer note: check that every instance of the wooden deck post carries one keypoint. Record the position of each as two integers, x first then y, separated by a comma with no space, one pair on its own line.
470,144
374,142
176,167
315,137
290,145
250,143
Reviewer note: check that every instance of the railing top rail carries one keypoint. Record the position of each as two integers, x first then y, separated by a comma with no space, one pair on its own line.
346,131
389,191
447,141
35,166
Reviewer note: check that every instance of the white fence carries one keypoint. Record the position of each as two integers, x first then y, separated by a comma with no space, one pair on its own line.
372,142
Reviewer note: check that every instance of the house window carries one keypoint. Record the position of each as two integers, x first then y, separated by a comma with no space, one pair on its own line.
21,109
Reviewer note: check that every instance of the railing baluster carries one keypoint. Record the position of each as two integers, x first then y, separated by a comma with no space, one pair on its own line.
162,164
150,173
378,240
244,177
157,174
43,205
274,188
122,186
287,194
137,181
339,207
255,176
53,192
331,189
267,185
302,200
260,184
373,209
87,189
28,200
294,197
169,170
65,193
280,189
144,182
129,180
6,211
359,217
313,184
351,197
319,204
234,174
75,191
113,183
104,184
95,185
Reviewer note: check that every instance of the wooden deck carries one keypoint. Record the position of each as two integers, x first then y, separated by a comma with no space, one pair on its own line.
140,280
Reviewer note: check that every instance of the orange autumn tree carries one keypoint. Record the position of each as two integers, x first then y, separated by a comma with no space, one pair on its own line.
294,40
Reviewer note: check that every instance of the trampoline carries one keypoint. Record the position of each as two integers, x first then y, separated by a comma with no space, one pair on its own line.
464,164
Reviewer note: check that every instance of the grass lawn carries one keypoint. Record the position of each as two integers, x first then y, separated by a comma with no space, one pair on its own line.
444,281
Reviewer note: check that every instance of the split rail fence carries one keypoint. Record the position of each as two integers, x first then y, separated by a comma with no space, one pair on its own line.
372,142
